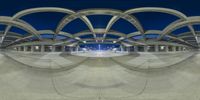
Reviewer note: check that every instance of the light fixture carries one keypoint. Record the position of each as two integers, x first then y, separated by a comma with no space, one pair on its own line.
162,47
77,38
121,38
37,47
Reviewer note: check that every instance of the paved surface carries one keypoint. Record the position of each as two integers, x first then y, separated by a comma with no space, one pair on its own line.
100,79
102,54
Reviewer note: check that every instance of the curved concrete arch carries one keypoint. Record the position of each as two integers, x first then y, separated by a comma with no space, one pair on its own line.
87,12
29,29
11,33
147,32
175,26
159,32
52,32
40,32
11,36
89,39
188,33
99,31
36,10
180,15
184,37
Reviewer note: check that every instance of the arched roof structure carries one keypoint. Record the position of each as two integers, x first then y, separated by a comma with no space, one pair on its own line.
71,15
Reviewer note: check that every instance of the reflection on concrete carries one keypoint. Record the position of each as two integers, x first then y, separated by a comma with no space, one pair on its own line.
102,54
101,79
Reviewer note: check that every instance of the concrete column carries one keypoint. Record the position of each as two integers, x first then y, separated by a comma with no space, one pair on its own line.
174,48
156,48
53,48
77,48
42,48
179,48
135,48
17,48
25,48
167,48
121,48
63,48
145,48
129,49
32,48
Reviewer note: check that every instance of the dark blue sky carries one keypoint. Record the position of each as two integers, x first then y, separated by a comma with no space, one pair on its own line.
148,20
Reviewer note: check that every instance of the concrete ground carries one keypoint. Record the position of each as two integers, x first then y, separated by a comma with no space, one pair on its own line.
100,78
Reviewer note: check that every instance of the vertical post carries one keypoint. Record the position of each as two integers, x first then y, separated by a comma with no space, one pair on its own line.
135,48
63,48
32,48
121,48
53,48
42,48
156,48
179,48
25,47
77,48
174,48
167,48
145,48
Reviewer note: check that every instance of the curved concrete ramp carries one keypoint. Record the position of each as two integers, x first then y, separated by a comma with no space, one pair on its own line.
100,79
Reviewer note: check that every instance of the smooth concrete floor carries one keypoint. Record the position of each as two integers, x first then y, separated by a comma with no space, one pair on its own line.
99,78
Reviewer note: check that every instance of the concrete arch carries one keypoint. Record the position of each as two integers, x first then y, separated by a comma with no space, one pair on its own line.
178,25
36,10
29,29
87,12
153,9
40,32
159,32
99,31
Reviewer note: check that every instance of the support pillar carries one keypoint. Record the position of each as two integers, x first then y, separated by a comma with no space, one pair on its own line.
121,48
167,48
32,48
174,48
77,48
42,48
179,48
156,48
135,48
53,48
145,48
25,48
63,48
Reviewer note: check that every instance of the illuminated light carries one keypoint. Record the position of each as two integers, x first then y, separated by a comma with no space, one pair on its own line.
84,42
162,47
84,49
77,38
114,41
37,47
121,38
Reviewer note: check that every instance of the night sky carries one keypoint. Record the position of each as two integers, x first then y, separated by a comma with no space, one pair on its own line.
149,21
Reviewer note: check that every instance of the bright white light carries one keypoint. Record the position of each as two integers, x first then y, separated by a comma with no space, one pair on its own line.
37,47
114,41
162,47
114,49
84,42
84,49
77,38
121,38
